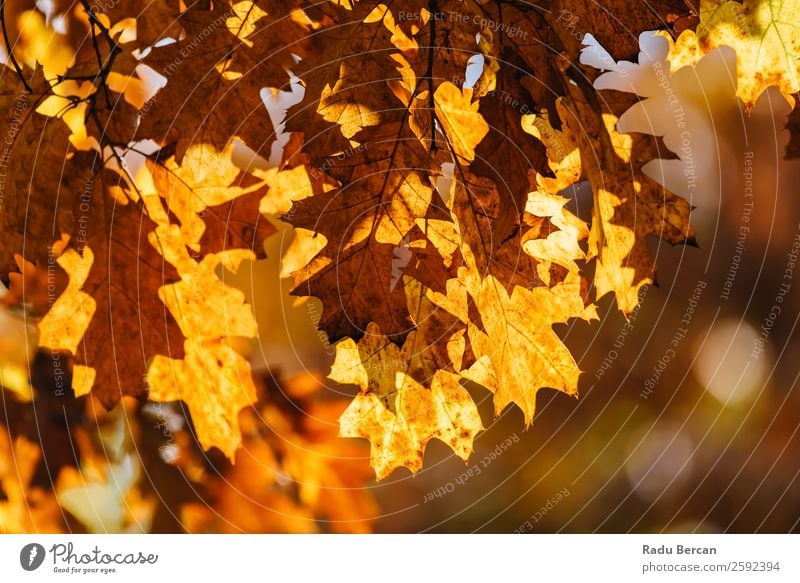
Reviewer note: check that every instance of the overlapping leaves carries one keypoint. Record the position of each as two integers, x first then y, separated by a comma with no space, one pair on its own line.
437,210
484,268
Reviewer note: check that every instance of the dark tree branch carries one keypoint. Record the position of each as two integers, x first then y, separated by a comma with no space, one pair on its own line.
9,50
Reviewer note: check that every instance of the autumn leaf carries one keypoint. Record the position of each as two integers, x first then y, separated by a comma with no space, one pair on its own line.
520,351
764,35
516,348
109,313
518,79
213,379
224,45
216,203
348,86
112,292
629,206
41,193
397,414
374,224
460,119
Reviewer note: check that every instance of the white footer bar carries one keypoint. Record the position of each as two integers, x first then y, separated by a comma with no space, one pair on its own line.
400,558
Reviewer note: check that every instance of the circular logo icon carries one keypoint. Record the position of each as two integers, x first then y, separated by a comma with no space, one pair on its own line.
31,556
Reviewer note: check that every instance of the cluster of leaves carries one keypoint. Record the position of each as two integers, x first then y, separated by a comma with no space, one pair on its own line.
490,259
430,212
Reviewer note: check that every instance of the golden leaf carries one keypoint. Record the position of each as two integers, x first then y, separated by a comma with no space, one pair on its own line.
765,36
397,414
213,379
215,383
629,206
458,114
520,350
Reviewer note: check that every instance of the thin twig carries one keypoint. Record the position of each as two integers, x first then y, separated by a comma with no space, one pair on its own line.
434,10
10,52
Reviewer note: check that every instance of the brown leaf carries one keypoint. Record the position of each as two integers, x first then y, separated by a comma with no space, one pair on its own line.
373,225
220,99
45,184
629,206
120,273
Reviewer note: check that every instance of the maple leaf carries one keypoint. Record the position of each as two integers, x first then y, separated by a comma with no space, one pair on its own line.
427,276
213,379
520,352
520,248
764,35
112,292
629,206
110,282
460,119
215,202
385,198
516,348
616,24
40,194
116,268
217,385
397,414
350,87
157,20
517,80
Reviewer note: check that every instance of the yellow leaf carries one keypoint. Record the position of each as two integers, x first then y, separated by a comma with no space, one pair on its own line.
215,382
524,352
765,35
394,411
64,325
212,379
458,114
629,206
